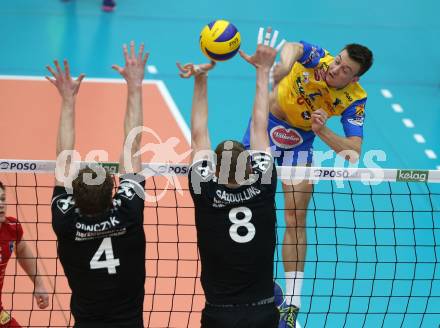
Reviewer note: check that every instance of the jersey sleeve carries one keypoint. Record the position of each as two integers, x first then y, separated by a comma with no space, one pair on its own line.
19,232
312,55
63,210
16,229
353,117
130,195
263,165
201,176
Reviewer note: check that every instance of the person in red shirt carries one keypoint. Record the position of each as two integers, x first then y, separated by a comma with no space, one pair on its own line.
11,234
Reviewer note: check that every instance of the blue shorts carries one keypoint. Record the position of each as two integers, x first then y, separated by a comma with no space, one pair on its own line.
290,146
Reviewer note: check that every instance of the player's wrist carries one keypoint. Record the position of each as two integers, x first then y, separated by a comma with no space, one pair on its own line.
264,69
201,77
134,86
38,283
68,99
320,131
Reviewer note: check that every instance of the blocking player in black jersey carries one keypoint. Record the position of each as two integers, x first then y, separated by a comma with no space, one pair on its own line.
101,241
234,199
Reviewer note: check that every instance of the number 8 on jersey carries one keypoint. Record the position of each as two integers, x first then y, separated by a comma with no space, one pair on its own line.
244,222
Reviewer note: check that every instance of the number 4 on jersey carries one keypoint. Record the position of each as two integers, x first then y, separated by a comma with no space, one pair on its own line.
109,263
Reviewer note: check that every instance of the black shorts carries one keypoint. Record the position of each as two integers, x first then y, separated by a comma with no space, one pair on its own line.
259,316
110,324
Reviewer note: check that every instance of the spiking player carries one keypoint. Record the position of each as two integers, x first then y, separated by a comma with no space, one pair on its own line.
311,86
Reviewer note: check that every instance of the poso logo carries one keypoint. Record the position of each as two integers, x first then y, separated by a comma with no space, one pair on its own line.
18,166
170,169
331,174
285,138
412,176
178,169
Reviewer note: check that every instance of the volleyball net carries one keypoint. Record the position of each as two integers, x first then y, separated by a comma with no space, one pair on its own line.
372,252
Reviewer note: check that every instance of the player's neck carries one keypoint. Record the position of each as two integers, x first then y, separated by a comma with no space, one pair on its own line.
232,185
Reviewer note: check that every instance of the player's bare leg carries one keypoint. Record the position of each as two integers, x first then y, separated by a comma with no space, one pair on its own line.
296,199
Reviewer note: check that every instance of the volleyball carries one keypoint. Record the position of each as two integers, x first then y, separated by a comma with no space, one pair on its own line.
220,40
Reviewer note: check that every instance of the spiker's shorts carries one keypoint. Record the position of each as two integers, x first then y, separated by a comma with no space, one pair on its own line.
290,146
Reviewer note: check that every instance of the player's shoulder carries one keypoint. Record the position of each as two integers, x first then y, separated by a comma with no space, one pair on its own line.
131,184
202,169
353,96
11,220
359,91
327,58
356,91
262,161
11,225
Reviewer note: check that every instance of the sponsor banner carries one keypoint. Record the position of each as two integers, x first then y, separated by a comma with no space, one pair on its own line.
310,173
331,173
26,166
412,175
160,169
112,168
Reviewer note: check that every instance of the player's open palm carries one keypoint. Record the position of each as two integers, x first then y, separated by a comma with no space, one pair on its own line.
190,69
266,52
134,70
62,80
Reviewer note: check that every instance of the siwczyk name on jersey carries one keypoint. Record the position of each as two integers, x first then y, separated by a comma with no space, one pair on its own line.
99,230
102,226
223,198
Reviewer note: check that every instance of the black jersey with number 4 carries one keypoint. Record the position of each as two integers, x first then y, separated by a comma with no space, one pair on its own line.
104,257
236,232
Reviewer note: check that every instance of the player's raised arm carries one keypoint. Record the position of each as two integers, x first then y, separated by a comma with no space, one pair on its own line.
289,54
133,72
68,90
262,60
199,115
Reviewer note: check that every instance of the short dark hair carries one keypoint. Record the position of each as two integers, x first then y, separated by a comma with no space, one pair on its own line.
92,199
236,148
2,186
361,55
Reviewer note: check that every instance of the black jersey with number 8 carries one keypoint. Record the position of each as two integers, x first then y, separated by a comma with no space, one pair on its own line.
236,232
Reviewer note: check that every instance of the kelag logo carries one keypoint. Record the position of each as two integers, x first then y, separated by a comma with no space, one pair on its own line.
112,168
412,176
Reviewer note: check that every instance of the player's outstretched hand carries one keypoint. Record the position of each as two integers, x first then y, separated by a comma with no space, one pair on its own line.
67,87
134,70
266,52
41,297
188,70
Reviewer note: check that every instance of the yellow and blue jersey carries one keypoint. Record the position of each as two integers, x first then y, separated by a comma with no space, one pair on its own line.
304,90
